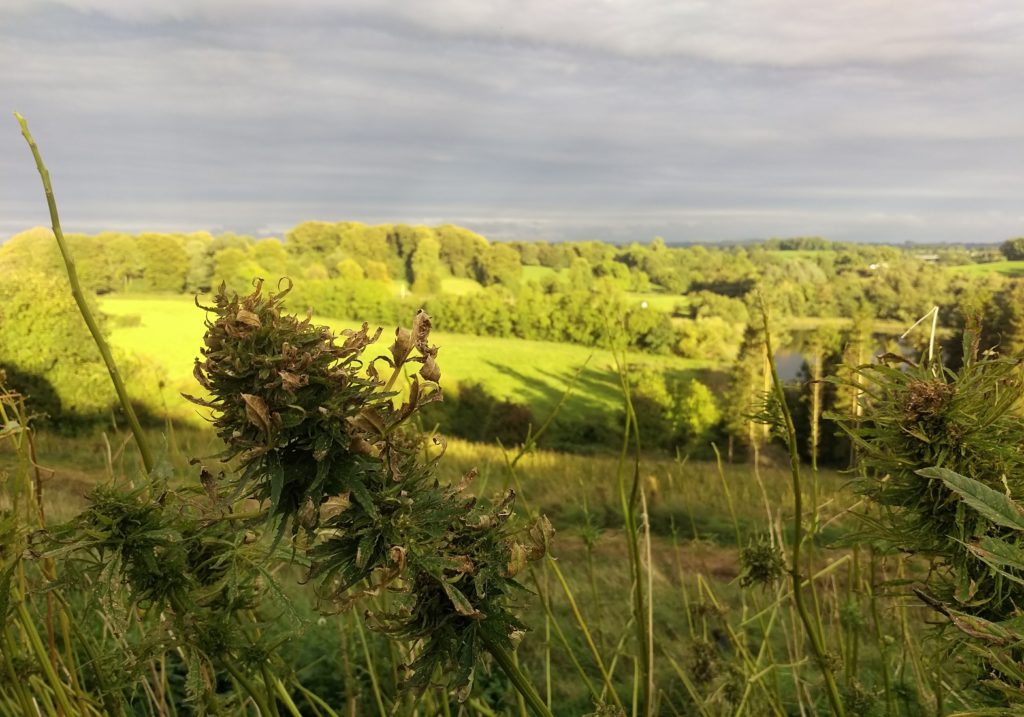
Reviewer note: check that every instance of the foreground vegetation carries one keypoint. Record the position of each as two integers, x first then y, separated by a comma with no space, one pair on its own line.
725,635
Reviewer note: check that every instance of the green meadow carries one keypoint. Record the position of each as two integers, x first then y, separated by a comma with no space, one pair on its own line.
1006,268
168,331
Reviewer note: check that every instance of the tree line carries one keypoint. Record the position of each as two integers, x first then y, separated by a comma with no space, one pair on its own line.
694,301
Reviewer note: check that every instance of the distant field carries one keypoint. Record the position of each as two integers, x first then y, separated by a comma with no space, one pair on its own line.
1006,268
459,286
657,301
532,372
537,273
809,323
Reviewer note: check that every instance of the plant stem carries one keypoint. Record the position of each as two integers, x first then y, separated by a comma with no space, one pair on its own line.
261,703
42,658
812,627
574,607
508,665
631,433
374,682
83,306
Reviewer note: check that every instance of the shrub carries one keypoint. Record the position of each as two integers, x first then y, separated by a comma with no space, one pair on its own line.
42,335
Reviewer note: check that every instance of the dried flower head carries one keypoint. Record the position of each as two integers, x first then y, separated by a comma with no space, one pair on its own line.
762,564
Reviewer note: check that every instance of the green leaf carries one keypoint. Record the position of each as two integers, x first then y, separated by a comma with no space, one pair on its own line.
461,603
276,473
992,504
366,548
1001,556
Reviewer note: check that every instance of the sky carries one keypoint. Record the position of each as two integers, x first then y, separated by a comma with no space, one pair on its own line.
619,120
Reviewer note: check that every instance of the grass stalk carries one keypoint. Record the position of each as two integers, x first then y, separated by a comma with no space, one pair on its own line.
811,625
249,688
586,632
631,433
520,699
83,306
36,643
374,681
508,666
545,602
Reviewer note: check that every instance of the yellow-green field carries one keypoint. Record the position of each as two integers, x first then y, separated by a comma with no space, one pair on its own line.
169,331
538,273
457,286
657,301
1006,268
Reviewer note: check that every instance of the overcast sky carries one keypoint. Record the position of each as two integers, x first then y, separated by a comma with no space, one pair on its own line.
696,120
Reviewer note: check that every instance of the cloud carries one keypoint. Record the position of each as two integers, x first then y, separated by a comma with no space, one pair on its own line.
618,119
775,33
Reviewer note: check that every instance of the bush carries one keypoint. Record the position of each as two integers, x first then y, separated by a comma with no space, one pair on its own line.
1013,249
42,335
711,338
476,415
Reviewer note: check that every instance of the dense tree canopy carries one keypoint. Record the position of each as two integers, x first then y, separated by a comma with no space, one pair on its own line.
1013,249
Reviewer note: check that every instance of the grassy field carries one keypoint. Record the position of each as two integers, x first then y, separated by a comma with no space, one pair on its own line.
696,514
169,331
537,273
657,301
459,286
879,326
697,521
1006,268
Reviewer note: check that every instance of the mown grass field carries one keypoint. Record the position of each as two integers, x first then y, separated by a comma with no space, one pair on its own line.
459,286
538,273
1006,268
657,301
169,331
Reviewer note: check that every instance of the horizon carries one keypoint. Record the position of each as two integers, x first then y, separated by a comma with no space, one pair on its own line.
566,121
724,243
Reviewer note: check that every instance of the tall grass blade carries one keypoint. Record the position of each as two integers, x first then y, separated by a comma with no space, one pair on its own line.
83,306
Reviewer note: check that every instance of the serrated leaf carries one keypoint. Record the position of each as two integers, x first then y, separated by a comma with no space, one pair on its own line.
992,504
462,604
257,412
367,545
1001,556
248,318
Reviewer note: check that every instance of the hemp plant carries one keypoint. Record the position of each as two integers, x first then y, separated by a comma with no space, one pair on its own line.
326,445
941,457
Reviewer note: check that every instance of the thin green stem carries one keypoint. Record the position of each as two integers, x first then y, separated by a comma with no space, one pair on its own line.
631,433
261,703
508,665
83,306
546,604
812,626
586,632
374,681
16,684
42,658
